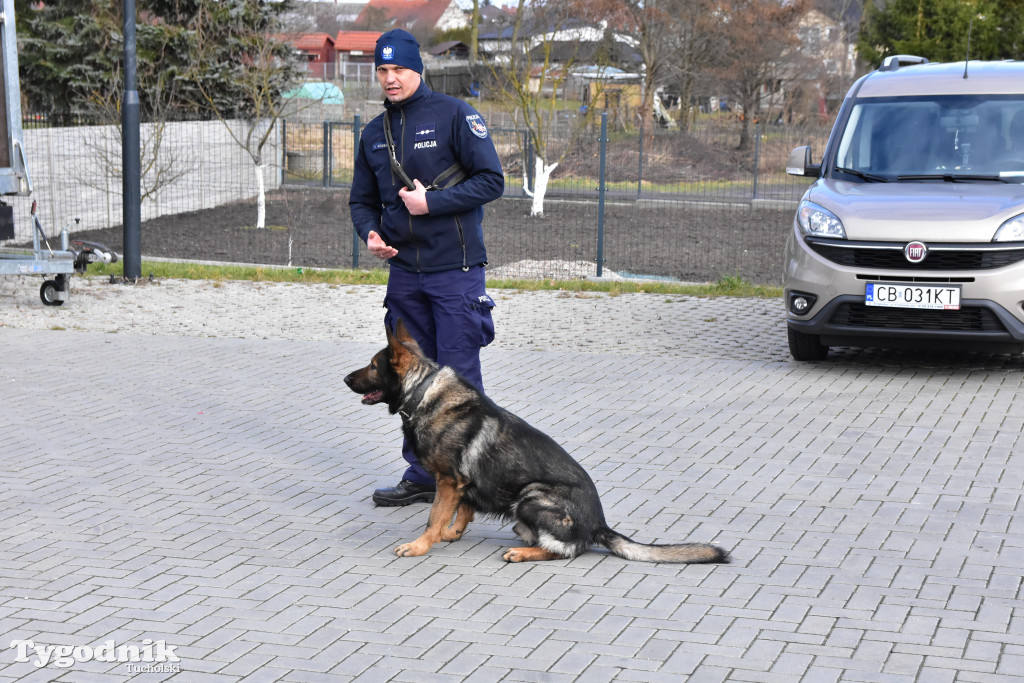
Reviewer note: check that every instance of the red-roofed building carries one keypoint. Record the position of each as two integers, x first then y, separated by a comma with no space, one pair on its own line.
318,53
355,46
416,16
354,50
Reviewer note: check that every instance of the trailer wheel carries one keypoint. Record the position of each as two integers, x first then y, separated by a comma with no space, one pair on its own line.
49,293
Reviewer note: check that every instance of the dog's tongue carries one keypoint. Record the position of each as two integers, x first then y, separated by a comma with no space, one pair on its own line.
373,397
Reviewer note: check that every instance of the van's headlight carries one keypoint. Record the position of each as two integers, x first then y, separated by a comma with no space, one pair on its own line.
1011,231
819,221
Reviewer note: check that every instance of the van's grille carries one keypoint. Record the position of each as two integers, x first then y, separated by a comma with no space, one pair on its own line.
871,255
968,318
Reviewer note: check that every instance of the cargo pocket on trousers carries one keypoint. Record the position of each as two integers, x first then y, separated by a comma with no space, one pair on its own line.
480,305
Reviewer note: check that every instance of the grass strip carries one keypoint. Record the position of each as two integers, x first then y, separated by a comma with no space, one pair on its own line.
729,285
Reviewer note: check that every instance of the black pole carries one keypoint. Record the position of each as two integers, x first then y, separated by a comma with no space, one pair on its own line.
130,163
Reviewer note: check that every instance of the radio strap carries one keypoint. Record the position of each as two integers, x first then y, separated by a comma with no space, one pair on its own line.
451,176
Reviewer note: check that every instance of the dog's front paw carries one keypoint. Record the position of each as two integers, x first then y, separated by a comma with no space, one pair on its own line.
513,555
413,549
451,534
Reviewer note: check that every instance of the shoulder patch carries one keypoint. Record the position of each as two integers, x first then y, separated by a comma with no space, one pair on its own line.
476,124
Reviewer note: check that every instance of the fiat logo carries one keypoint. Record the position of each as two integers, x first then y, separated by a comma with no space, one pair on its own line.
915,251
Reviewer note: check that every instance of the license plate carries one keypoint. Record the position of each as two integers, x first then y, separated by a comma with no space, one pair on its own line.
902,295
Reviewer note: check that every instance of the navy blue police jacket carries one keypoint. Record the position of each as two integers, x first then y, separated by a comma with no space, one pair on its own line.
431,131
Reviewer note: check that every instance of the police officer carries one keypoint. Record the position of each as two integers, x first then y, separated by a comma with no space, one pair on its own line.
423,171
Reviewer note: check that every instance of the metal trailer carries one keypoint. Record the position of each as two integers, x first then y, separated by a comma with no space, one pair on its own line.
41,259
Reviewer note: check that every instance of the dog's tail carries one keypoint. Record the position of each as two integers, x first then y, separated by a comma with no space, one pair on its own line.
691,553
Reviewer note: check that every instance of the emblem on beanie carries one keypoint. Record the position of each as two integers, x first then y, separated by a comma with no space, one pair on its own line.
387,53
476,124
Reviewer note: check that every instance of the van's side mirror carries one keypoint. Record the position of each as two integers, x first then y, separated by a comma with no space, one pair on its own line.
799,163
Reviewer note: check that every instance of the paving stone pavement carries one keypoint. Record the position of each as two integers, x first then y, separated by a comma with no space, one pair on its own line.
185,473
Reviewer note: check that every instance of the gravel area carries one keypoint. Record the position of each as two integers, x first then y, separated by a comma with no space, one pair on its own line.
632,324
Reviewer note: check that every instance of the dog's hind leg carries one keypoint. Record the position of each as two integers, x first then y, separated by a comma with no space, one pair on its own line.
545,524
525,533
446,500
462,519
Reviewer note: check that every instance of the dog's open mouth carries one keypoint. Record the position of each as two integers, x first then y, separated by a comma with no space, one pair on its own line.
373,397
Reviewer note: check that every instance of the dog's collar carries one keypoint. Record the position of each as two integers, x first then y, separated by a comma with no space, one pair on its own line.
410,404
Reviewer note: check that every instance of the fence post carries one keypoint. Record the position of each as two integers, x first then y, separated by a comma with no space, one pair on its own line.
600,194
327,154
355,152
284,151
528,159
757,156
640,163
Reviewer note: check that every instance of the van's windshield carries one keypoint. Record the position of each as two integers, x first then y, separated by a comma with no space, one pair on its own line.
935,138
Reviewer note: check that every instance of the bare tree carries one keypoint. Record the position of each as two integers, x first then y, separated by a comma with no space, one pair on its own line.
474,33
240,73
161,165
530,77
310,16
847,15
372,19
758,41
667,36
695,35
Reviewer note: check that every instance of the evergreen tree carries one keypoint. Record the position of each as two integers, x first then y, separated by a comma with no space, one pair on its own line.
939,29
188,51
239,64
66,53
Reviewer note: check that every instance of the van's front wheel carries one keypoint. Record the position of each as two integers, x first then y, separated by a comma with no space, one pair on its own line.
806,346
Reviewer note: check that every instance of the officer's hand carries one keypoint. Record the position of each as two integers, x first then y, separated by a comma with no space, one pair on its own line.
377,247
415,199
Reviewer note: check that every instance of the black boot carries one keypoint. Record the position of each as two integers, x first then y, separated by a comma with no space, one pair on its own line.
405,493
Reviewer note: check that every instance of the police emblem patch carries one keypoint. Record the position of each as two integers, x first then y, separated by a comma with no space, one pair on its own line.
387,53
476,124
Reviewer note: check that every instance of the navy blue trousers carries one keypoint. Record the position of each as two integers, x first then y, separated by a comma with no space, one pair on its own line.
449,315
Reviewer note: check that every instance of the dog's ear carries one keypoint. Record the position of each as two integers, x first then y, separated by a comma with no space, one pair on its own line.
402,332
401,342
403,337
394,343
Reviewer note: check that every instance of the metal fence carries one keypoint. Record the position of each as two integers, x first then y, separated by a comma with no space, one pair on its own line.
701,164
669,204
664,204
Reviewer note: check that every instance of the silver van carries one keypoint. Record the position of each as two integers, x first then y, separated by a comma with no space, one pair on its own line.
912,233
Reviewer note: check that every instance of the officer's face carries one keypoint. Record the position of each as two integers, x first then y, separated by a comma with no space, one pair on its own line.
398,82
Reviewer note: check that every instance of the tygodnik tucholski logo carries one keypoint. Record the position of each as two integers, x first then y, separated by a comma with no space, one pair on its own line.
147,656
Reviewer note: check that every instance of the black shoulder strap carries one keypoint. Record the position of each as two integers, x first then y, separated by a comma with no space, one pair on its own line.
396,167
451,176
454,175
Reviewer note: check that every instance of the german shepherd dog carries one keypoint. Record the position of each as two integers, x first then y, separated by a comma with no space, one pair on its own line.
487,460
